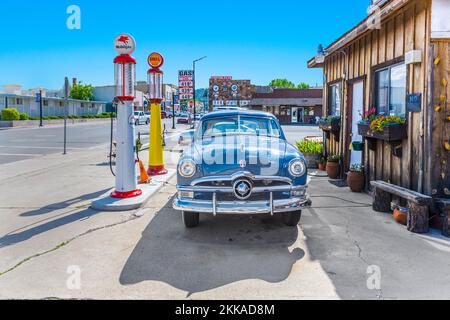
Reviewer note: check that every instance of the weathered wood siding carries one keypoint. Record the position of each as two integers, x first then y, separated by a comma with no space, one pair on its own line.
404,30
439,160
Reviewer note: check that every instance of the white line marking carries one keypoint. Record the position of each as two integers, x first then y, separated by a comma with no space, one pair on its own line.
30,147
21,154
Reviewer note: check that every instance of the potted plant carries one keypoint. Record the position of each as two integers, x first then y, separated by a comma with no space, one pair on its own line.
312,151
333,168
331,123
322,164
401,215
355,178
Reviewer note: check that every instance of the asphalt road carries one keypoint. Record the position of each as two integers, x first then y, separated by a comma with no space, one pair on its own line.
27,143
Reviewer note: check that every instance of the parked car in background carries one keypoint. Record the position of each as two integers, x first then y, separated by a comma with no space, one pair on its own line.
265,175
184,119
140,118
186,137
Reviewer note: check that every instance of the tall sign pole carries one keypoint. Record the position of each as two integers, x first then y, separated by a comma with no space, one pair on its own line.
40,109
66,107
155,91
125,80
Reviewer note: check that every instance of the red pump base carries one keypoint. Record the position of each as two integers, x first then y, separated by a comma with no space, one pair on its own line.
157,171
126,195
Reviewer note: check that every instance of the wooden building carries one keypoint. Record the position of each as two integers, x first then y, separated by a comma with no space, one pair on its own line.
397,61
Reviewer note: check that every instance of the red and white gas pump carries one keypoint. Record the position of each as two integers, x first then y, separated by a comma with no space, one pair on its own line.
125,79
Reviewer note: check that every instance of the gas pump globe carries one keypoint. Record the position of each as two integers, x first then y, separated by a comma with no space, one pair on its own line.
155,85
125,77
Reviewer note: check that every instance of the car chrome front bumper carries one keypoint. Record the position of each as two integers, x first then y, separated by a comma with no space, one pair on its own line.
242,207
215,207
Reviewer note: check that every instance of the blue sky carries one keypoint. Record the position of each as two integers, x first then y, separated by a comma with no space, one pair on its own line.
246,39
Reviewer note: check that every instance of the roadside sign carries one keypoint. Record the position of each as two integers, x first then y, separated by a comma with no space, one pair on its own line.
38,97
155,60
186,84
124,44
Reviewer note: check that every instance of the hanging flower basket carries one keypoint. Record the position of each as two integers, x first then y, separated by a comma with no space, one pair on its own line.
358,145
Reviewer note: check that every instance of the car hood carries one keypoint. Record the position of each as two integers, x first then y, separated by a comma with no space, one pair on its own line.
227,155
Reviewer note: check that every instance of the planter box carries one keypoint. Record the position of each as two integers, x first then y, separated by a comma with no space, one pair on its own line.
390,133
332,126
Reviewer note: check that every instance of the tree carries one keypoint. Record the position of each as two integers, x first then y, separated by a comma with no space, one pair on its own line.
82,91
303,85
282,83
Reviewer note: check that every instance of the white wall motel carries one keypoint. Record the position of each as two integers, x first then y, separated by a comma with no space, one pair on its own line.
440,22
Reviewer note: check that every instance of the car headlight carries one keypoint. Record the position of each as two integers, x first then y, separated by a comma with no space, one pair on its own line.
187,168
297,167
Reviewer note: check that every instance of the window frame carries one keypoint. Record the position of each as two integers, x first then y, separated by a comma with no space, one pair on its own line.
388,68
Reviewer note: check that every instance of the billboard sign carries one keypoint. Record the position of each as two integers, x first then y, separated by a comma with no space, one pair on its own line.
186,84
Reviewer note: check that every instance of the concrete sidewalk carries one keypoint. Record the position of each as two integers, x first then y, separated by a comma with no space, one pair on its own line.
45,201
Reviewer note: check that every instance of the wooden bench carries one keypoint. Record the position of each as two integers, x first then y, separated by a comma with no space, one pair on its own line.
419,204
444,208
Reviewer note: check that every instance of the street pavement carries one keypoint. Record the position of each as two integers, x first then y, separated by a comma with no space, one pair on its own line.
52,245
26,143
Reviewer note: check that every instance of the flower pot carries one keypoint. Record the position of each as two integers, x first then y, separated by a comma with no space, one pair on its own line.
358,145
333,170
322,166
356,181
311,159
401,215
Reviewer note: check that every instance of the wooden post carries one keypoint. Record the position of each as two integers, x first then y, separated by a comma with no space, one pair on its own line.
418,217
381,201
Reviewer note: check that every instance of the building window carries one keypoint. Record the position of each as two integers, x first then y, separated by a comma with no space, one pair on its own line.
61,103
11,101
335,99
390,86
45,103
19,101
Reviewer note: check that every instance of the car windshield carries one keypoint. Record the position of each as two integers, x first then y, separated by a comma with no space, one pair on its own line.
217,127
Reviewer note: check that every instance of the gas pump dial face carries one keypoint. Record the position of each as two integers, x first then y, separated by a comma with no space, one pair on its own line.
124,44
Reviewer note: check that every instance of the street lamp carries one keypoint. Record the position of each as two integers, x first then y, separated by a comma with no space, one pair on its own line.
195,107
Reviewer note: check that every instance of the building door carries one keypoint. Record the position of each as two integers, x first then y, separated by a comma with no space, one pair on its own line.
301,115
294,114
356,107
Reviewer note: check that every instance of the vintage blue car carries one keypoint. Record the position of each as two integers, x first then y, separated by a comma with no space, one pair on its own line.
241,163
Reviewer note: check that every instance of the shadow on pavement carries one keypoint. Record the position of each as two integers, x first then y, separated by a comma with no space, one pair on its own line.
14,238
222,250
64,204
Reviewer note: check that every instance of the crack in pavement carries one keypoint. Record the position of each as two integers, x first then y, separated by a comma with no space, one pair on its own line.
65,243
360,255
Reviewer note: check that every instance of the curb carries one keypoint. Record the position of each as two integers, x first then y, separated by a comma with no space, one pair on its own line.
106,203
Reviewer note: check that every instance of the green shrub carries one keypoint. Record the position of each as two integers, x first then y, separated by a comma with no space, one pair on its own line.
33,118
24,116
10,114
312,147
